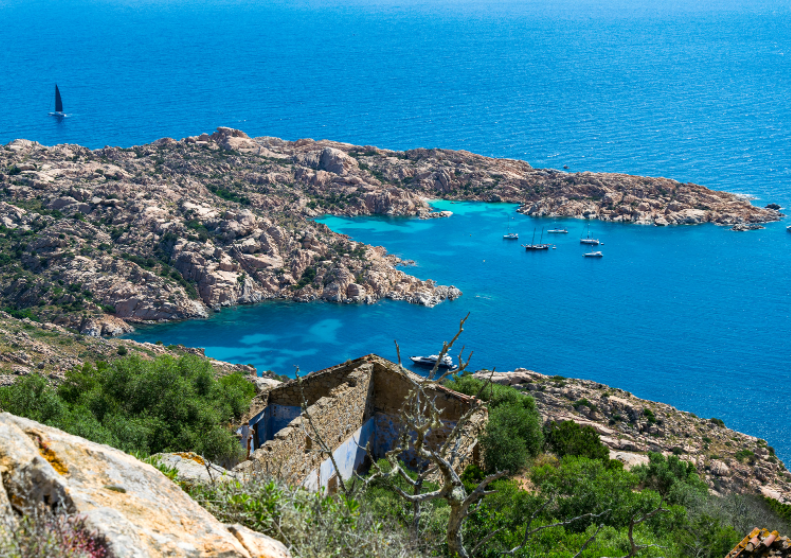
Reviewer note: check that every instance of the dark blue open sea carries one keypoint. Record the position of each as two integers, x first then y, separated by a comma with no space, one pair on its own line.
698,317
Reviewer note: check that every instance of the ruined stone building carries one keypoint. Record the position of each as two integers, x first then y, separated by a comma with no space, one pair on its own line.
352,404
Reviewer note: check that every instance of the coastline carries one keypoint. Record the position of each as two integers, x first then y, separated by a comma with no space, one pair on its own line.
174,230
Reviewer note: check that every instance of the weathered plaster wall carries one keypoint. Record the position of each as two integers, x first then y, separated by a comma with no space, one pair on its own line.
349,457
272,420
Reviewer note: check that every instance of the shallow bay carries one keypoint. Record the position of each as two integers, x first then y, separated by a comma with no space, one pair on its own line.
697,317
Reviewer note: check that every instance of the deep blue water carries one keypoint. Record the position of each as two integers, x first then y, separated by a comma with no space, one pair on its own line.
697,91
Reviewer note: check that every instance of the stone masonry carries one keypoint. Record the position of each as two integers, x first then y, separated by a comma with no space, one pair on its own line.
351,404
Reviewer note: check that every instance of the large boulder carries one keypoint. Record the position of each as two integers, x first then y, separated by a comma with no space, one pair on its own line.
131,506
336,161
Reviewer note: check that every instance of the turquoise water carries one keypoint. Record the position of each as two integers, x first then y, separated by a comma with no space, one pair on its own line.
696,91
697,317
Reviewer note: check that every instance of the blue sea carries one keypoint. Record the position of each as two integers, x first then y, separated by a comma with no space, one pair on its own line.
697,317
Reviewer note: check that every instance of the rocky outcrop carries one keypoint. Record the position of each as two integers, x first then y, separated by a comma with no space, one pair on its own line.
179,228
728,461
132,508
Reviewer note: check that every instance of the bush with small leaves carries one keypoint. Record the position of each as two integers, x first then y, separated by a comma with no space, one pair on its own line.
569,438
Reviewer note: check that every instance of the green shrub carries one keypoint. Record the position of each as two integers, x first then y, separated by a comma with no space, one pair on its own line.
718,422
51,535
569,438
673,478
782,510
649,415
584,403
21,314
585,485
513,432
148,406
495,394
122,350
745,455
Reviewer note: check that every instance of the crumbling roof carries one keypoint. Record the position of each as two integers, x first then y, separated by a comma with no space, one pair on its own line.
762,543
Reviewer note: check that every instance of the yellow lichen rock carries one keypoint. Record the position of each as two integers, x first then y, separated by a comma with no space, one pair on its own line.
130,505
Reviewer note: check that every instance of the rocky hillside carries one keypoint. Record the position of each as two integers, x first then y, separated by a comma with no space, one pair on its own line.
28,347
98,240
728,461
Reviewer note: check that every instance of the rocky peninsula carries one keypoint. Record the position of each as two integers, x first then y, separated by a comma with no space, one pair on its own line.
97,240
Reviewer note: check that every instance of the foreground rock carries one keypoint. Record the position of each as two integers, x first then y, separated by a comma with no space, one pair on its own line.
98,240
727,460
133,508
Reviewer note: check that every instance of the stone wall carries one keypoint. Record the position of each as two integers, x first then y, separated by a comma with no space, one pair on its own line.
350,404
337,414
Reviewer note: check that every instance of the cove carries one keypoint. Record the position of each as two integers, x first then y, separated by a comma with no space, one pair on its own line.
697,316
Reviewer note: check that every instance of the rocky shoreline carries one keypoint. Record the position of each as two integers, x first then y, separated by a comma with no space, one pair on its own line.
630,427
99,240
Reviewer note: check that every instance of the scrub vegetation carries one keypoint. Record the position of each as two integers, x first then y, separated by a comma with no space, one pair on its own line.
556,474
555,492
142,406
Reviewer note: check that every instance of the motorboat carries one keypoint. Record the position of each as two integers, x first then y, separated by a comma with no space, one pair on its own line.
431,361
557,229
596,254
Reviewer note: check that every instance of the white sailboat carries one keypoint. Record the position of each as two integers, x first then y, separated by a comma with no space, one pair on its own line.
510,235
588,240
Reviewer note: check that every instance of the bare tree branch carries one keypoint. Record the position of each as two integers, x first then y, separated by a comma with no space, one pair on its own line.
590,540
529,533
635,547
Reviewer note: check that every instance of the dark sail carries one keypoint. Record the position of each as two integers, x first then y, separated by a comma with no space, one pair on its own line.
58,102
